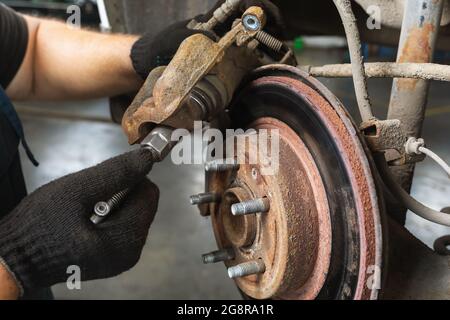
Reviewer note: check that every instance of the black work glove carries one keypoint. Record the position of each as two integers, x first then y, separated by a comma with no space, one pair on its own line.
151,51
51,230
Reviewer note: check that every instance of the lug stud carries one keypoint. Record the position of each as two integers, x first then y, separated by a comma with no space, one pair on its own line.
247,269
221,165
218,256
204,198
251,207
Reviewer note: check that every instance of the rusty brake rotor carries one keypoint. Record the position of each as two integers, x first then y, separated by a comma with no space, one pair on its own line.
321,237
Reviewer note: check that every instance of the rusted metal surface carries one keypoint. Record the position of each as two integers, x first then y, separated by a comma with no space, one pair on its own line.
293,238
360,167
140,111
169,100
293,188
388,136
409,96
362,184
194,59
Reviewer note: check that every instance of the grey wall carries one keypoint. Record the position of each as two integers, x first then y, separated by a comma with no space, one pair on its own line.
138,16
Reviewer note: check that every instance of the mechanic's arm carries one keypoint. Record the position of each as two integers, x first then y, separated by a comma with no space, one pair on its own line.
70,64
62,63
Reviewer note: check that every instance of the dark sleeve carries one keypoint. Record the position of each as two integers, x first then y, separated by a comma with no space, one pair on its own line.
13,44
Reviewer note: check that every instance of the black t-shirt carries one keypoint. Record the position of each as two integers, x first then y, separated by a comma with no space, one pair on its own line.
13,44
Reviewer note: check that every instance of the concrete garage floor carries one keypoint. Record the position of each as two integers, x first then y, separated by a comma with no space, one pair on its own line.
171,267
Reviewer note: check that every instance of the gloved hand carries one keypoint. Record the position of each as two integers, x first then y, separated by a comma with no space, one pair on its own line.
51,230
150,51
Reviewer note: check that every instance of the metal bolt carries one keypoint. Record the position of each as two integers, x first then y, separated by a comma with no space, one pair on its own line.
104,208
203,198
221,165
159,142
251,207
251,22
218,256
246,269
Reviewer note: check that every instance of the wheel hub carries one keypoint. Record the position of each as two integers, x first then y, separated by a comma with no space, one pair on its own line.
293,238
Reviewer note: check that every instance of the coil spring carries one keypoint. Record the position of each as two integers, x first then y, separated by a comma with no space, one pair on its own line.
268,40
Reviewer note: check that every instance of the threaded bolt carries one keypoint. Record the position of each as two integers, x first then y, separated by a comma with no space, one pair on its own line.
203,198
117,199
251,207
104,208
221,165
218,256
246,269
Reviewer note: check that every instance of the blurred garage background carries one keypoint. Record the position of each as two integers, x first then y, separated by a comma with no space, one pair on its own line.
71,136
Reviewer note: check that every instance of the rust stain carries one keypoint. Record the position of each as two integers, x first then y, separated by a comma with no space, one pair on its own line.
416,49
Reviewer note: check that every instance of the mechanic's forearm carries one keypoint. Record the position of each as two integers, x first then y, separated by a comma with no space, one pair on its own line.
8,287
66,63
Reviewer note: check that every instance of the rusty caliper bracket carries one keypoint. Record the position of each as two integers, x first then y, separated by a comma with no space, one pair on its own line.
198,83
388,136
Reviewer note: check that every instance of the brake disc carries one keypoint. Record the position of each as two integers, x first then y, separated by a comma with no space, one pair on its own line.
322,237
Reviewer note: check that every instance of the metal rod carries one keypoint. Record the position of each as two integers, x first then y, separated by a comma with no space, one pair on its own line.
220,15
354,45
426,71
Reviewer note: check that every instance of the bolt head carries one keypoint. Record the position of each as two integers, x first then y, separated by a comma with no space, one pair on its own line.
159,141
251,22
102,209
